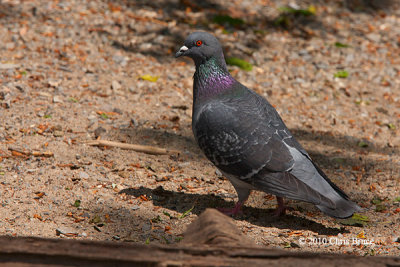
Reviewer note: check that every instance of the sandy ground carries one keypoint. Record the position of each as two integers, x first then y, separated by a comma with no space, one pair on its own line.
72,71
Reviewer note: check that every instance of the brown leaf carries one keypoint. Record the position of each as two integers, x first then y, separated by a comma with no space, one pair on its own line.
18,154
372,187
37,216
143,198
40,194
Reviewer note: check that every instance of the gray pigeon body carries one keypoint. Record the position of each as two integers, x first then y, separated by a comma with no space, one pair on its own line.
244,136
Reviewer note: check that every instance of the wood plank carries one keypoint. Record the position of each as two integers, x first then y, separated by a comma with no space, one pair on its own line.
215,248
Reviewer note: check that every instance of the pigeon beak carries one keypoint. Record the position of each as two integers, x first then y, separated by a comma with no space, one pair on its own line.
181,51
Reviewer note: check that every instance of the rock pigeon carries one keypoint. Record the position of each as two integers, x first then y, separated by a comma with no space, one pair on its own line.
245,138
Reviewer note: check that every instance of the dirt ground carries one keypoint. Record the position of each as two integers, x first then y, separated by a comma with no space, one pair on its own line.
74,70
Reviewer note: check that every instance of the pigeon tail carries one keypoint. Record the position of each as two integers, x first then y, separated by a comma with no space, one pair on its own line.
338,204
344,209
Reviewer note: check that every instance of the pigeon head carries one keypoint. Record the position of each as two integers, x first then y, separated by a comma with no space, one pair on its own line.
201,46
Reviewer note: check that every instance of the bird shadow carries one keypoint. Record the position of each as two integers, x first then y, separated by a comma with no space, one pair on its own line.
197,203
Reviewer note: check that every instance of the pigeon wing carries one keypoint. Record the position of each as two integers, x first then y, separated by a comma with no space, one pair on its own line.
243,137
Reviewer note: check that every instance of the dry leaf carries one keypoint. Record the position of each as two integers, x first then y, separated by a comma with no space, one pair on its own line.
149,78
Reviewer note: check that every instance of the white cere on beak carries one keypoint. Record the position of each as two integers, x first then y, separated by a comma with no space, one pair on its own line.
183,49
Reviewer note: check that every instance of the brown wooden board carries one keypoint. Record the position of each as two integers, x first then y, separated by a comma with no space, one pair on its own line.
212,240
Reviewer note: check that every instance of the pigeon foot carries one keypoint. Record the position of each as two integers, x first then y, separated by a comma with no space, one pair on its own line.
234,211
282,208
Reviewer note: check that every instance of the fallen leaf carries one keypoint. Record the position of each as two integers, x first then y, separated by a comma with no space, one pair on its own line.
372,187
96,219
18,154
311,10
39,195
144,198
77,203
107,218
380,208
156,219
226,19
361,235
356,168
244,65
362,144
149,78
376,201
341,74
341,45
37,216
356,220
391,126
295,233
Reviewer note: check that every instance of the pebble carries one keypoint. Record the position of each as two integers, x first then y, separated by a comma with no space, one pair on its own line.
83,175
117,110
115,85
58,133
99,132
57,99
218,172
135,207
374,37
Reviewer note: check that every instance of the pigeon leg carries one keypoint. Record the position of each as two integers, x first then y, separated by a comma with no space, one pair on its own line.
243,194
281,209
234,211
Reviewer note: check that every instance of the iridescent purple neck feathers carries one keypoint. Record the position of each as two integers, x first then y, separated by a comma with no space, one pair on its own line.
211,78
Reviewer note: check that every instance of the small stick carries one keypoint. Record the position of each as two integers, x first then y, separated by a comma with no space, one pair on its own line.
139,148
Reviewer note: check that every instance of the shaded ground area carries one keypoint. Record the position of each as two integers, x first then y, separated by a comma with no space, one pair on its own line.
71,71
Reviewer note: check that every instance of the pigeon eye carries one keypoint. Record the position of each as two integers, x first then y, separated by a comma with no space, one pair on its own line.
199,43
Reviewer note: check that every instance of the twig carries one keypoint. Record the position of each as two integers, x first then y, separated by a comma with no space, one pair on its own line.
139,148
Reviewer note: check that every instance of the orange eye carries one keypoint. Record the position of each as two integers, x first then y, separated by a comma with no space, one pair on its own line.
199,43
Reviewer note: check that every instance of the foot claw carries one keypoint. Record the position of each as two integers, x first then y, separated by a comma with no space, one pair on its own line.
282,208
237,210
280,211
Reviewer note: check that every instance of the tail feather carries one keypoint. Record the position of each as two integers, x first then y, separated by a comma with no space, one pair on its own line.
284,184
287,185
309,173
344,209
334,186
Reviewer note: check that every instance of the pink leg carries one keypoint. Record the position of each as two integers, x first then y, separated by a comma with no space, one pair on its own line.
281,209
235,211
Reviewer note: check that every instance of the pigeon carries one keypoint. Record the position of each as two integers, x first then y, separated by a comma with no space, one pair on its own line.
242,134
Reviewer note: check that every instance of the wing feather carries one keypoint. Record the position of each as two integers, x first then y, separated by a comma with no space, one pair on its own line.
242,141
